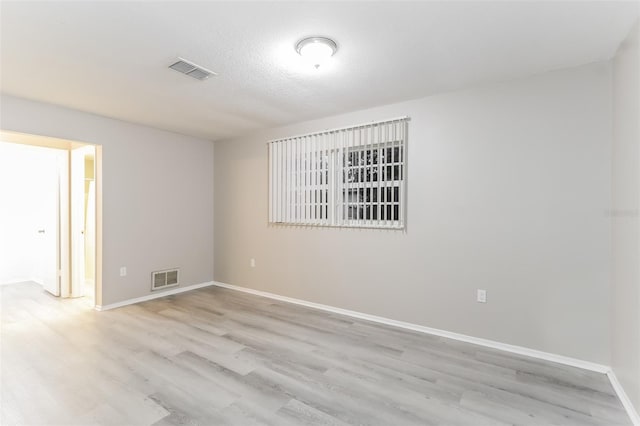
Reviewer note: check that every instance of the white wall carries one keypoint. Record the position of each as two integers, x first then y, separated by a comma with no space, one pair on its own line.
509,187
27,177
626,217
157,194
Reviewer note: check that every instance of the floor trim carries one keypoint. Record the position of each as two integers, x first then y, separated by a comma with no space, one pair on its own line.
26,280
624,398
521,350
153,296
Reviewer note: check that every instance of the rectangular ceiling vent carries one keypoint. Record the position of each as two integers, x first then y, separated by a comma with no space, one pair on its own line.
164,279
191,69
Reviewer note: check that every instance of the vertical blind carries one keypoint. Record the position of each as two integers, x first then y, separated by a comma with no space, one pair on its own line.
352,176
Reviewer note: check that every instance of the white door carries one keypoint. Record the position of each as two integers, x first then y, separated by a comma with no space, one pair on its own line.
51,236
48,244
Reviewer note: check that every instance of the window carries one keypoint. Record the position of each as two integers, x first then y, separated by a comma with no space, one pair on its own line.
353,176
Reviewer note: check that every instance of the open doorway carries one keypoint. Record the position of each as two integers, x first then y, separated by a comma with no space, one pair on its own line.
29,228
49,218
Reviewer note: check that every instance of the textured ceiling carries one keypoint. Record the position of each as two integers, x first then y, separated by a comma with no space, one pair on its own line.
111,58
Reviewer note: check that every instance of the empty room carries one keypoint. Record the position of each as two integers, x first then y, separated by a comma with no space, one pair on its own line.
302,213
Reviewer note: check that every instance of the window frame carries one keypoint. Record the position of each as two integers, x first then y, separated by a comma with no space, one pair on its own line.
311,179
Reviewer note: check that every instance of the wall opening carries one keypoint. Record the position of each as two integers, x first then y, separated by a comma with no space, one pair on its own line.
51,219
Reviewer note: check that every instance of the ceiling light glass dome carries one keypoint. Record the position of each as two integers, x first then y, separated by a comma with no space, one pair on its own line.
316,50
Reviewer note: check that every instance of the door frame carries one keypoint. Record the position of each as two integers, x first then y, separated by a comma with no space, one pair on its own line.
64,226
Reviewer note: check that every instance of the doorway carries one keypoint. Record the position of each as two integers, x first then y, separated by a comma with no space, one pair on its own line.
50,215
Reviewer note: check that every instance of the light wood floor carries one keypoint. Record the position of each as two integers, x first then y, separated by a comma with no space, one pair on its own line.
214,356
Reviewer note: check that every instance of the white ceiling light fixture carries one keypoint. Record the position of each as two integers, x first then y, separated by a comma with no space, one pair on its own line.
317,50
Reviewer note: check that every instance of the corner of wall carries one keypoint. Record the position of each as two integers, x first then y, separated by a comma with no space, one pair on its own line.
625,219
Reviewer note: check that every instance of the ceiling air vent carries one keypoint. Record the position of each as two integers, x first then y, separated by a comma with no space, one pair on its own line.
191,69
164,279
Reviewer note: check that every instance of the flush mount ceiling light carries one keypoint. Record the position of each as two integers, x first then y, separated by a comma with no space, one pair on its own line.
317,50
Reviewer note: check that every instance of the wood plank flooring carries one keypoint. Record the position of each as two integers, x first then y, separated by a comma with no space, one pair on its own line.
219,357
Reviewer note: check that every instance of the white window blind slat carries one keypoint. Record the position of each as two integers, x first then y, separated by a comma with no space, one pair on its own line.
274,183
339,177
289,182
279,173
314,182
296,181
271,186
369,176
303,180
309,181
387,189
362,154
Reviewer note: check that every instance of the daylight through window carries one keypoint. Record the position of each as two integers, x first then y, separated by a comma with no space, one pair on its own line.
354,176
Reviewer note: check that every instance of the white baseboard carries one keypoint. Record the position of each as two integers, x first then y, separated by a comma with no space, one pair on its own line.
520,350
19,280
624,398
153,296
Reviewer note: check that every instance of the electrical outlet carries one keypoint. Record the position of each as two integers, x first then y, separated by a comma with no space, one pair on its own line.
123,271
482,296
252,263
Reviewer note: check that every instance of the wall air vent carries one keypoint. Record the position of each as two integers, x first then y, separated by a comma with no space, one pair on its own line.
191,69
164,279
